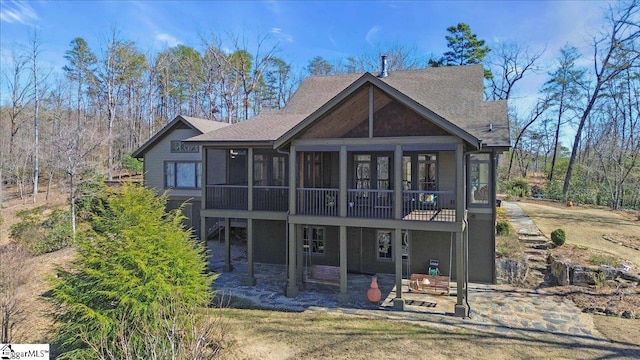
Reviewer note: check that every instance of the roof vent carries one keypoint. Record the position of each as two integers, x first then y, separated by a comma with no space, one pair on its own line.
383,70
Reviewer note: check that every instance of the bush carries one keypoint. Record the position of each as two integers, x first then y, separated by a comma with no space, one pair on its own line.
508,246
40,233
138,287
558,237
503,228
518,187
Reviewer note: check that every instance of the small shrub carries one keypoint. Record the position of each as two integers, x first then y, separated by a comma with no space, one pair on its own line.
558,236
603,259
40,233
503,228
600,279
131,164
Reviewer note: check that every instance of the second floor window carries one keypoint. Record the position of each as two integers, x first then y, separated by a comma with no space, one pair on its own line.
183,174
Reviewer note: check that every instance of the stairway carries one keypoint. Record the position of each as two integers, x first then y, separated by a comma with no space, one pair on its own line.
536,246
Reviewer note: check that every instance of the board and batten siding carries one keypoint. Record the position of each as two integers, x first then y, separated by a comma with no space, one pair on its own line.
155,157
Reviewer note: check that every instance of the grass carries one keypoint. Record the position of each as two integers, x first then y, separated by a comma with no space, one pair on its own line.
259,334
508,245
586,227
604,259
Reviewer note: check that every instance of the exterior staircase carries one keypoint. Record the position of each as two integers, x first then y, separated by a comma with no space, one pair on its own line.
536,246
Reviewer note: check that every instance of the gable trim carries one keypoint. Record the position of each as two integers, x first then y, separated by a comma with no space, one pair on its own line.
139,153
394,94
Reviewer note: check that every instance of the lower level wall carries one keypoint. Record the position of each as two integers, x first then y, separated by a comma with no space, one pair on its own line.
190,209
362,249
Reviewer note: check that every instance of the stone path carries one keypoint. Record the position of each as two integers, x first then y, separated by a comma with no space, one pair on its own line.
536,244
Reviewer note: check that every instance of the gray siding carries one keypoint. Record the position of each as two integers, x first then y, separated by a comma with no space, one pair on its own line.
155,157
269,241
446,171
481,248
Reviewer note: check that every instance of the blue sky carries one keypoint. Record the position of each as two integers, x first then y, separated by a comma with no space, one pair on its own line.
304,29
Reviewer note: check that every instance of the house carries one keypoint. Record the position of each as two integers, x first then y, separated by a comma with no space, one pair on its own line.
174,166
366,173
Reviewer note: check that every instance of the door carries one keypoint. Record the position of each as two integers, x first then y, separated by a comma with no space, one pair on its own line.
354,249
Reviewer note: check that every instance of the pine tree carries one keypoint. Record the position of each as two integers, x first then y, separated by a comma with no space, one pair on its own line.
137,280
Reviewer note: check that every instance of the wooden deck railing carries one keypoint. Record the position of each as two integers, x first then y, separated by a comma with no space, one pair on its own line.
271,198
365,203
321,202
230,197
424,205
417,205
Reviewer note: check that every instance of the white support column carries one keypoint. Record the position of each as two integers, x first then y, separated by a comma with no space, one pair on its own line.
292,286
250,280
344,292
227,246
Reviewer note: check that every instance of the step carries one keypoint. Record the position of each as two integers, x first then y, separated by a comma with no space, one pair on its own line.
528,232
542,267
533,239
544,246
537,258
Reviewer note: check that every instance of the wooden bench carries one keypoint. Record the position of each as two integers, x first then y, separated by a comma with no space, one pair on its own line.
438,284
324,274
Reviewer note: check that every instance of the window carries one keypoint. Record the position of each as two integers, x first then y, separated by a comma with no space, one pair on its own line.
419,172
479,185
363,172
427,171
183,174
384,245
263,175
313,240
259,170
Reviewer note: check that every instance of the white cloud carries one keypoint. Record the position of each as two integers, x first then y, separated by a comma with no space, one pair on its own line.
280,35
17,12
371,34
168,39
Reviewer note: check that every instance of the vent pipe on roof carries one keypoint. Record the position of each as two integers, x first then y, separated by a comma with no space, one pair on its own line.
383,70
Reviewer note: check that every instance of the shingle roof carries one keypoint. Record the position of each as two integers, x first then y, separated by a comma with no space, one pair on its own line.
453,93
201,125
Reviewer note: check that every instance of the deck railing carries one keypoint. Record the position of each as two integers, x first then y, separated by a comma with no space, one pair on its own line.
424,205
271,198
365,203
320,202
231,197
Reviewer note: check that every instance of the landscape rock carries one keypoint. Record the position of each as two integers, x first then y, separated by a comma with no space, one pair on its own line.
560,271
627,314
511,271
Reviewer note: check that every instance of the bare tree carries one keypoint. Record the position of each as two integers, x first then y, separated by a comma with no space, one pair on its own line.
13,274
608,63
509,63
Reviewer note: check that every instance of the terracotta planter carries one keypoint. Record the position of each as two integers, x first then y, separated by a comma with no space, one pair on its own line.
374,294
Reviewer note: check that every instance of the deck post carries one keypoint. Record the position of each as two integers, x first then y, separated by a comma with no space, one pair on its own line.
344,293
250,280
398,302
292,286
227,246
461,308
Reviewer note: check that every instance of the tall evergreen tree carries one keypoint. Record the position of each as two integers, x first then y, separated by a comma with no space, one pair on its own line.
464,48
